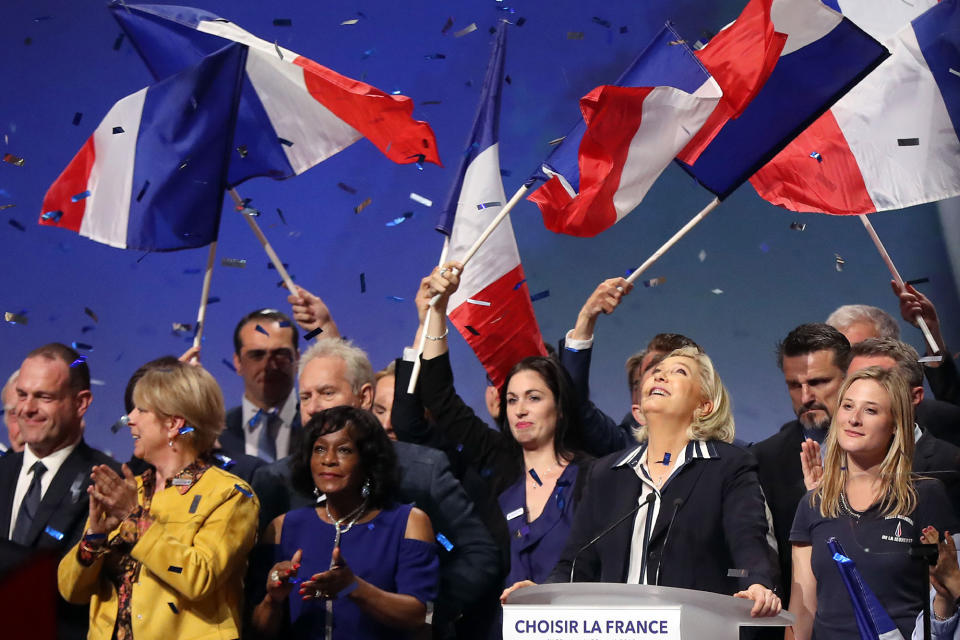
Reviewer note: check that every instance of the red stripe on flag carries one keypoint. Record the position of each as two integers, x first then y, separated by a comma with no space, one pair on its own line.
71,182
740,58
384,119
816,172
506,331
613,115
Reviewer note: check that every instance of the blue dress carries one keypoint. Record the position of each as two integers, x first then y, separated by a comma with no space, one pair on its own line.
376,551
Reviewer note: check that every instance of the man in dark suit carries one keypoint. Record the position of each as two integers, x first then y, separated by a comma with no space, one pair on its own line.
43,490
334,373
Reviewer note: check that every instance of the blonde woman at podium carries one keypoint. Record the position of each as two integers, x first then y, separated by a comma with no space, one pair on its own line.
683,508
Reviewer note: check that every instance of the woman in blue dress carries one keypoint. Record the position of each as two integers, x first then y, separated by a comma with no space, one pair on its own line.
366,567
530,462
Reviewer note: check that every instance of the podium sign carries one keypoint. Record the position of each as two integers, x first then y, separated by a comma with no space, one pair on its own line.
535,622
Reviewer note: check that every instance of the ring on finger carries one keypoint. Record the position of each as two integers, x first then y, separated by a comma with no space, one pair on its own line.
275,576
318,594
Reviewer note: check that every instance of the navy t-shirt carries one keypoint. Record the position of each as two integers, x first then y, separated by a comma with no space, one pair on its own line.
879,545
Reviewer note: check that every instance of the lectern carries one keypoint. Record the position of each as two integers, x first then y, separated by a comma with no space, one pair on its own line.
605,611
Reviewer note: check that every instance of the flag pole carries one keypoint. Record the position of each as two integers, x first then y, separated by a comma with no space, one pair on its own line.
274,258
415,374
896,276
205,294
672,241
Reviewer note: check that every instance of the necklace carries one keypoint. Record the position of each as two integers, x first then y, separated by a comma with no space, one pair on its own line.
353,516
846,508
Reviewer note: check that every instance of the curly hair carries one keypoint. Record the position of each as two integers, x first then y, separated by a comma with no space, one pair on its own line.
378,461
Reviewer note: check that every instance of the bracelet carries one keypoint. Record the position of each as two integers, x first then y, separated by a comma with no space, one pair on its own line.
349,588
440,337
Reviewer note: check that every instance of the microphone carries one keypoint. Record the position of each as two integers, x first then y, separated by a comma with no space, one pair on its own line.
651,497
677,503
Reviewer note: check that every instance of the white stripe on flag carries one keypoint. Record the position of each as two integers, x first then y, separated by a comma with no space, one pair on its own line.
670,119
296,116
499,254
230,31
883,19
107,210
804,21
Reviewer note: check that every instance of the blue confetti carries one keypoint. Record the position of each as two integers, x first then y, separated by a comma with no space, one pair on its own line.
313,334
363,283
400,220
487,205
284,142
76,118
52,215
395,298
117,130
540,296
185,430
53,533
367,54
80,196
81,346
435,56
16,224
519,284
816,156
536,478
143,191
244,490
173,607
174,569
195,504
213,300
444,541
262,330
229,365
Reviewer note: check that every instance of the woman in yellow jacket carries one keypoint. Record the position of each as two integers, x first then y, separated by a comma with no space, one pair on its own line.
165,552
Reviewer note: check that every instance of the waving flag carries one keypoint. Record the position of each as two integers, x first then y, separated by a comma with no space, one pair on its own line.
824,56
630,133
293,113
893,140
152,175
492,307
873,621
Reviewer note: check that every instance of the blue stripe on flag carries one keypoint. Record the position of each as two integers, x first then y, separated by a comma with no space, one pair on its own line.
938,33
183,146
803,85
872,619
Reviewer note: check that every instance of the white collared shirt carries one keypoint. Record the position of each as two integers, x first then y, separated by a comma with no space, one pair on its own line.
52,462
251,435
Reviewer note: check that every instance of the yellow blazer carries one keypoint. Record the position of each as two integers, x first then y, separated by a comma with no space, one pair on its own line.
193,558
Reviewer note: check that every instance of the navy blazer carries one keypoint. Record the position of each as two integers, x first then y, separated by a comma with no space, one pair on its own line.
720,524
944,380
234,444
468,571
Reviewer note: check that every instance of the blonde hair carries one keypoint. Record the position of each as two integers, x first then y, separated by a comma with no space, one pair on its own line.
188,392
717,424
899,497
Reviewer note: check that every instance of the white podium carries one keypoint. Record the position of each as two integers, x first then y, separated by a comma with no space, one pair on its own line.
606,611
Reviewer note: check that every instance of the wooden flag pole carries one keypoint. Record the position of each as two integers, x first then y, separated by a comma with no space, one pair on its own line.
672,241
274,258
205,294
896,276
415,374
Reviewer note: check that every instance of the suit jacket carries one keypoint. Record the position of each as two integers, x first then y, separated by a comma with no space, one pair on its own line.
944,380
942,419
59,522
467,572
718,526
232,440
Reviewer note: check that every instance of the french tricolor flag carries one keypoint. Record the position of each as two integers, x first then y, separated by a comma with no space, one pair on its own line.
873,621
492,307
892,141
151,177
293,112
629,134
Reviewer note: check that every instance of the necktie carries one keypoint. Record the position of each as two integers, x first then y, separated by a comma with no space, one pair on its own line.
29,506
267,438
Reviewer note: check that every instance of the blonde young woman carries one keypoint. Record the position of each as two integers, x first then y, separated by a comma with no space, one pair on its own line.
164,552
868,500
706,513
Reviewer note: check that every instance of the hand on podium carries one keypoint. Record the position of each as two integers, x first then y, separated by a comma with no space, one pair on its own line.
765,602
516,585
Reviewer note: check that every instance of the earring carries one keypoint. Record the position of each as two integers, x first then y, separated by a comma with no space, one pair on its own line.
317,494
170,442
365,489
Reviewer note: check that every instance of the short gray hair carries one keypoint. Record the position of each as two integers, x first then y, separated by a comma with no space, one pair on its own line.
11,381
359,369
885,324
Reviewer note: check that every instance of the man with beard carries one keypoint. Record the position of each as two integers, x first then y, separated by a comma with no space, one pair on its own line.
267,423
813,358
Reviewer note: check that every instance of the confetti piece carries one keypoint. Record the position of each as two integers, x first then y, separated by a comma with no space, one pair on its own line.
653,282
395,298
98,383
471,330
574,35
540,296
53,533
183,165
519,284
368,53
313,334
143,191
444,541
118,42
270,265
118,130
284,142
447,25
91,314
262,330
182,327
12,159
244,490
79,361
80,196
507,79
478,302
521,21
435,56
213,300
418,198
16,224
173,569
228,364
120,424
623,29
350,21
917,281
797,226
233,262
702,255
185,430
282,22
426,102
954,71
192,271
80,346
276,47
76,118
556,141
53,216
282,218
363,205
839,262
242,150
7,206
908,142
401,219
14,318
737,573
173,607
470,28
716,292
926,359
363,283
601,22
505,8
487,205
346,187
816,156
87,328
250,211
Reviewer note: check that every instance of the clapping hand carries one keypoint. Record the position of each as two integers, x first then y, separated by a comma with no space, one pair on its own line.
811,464
328,583
279,582
112,497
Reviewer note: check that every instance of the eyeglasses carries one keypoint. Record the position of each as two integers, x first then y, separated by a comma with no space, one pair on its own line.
280,356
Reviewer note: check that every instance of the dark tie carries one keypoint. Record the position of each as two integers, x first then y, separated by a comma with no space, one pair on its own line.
267,440
29,506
